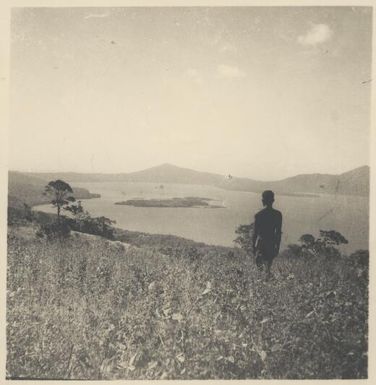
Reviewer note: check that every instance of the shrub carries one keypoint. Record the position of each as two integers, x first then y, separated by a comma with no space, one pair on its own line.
325,246
292,251
360,258
55,230
244,238
101,226
17,215
308,240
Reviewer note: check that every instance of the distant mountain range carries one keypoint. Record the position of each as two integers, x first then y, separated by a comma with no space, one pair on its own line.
354,182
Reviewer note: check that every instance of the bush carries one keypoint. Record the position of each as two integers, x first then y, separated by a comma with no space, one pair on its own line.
292,251
324,247
56,230
360,258
19,215
101,226
244,238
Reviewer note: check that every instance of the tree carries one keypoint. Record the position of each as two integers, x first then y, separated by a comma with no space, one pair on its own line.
76,208
332,238
308,240
328,242
325,246
105,226
61,194
244,239
307,247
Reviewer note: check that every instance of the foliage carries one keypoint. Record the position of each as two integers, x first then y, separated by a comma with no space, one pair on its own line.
75,208
292,251
326,246
308,240
79,220
360,258
56,230
85,223
172,202
21,214
244,238
61,194
332,238
90,308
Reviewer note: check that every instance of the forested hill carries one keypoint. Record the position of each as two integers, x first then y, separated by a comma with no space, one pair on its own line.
25,188
354,182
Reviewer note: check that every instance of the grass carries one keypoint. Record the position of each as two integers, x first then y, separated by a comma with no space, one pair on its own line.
89,308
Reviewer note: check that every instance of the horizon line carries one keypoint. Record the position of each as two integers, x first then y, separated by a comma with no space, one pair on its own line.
186,168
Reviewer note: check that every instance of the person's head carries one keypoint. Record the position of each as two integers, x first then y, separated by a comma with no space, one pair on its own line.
268,198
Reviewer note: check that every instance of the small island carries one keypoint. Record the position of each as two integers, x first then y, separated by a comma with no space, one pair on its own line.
171,202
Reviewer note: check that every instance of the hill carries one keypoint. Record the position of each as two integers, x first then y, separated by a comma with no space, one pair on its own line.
90,309
354,182
165,173
168,173
25,188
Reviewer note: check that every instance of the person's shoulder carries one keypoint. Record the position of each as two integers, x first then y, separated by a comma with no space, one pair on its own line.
260,213
277,213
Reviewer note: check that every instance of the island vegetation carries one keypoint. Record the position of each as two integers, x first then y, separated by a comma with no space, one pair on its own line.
171,202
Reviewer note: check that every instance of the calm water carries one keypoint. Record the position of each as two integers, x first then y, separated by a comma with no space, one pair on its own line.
346,214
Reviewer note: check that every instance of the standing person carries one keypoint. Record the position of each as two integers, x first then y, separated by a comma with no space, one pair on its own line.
267,233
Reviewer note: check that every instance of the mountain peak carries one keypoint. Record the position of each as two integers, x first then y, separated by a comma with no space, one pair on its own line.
170,173
163,167
166,165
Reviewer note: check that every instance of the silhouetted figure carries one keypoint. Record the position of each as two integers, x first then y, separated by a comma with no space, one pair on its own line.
267,233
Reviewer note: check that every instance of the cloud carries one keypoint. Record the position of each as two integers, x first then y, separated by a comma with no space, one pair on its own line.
96,15
317,34
227,71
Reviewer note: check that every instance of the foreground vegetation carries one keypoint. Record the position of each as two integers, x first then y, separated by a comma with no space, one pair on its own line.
159,307
88,301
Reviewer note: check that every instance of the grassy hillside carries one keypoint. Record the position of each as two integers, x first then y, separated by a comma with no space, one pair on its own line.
89,308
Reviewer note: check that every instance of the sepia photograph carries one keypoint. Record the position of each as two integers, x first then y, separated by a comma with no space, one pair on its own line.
188,193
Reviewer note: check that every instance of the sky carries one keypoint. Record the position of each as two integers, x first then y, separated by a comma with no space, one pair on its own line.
259,92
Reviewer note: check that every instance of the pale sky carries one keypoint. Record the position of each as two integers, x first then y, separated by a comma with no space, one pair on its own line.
264,93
